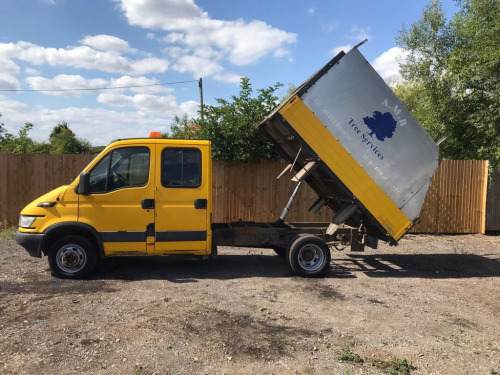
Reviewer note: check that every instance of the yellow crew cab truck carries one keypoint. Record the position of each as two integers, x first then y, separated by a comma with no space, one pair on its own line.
343,131
138,197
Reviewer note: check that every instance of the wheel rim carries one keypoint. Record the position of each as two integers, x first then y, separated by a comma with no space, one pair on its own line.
311,258
71,258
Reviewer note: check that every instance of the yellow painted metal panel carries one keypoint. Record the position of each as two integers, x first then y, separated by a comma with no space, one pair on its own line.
174,207
345,167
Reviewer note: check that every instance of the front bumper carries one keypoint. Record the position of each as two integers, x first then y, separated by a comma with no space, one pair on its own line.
32,242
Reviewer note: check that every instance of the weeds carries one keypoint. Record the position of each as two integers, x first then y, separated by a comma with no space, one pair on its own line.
350,356
7,231
395,367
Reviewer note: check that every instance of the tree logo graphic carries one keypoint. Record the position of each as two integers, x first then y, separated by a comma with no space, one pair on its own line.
381,124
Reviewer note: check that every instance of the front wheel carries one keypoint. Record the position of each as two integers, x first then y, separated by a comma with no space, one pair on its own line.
72,257
308,256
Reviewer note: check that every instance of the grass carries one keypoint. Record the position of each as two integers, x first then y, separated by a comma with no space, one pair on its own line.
7,231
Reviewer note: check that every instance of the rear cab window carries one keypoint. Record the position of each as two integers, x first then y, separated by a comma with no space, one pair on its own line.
181,167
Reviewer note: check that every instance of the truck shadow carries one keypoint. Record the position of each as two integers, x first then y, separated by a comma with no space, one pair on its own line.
226,267
180,269
429,266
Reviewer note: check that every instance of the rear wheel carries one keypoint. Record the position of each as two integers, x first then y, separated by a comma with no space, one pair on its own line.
308,256
72,257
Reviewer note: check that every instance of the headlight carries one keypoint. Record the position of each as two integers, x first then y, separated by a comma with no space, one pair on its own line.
26,221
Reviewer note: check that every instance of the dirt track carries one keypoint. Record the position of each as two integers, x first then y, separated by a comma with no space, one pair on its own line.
432,300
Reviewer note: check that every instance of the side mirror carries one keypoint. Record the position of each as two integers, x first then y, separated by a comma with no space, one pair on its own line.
84,184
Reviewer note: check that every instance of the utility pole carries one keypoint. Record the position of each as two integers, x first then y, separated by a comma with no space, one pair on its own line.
200,85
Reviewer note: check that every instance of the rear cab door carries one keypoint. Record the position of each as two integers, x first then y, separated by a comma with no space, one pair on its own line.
183,199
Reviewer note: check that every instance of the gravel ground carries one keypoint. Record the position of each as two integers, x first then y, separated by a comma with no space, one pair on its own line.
428,306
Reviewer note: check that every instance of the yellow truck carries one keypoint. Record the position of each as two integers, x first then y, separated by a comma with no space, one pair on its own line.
344,133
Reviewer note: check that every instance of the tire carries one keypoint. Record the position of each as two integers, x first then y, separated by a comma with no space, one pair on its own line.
72,257
308,256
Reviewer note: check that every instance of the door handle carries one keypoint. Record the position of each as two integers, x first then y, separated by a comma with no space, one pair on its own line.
148,204
200,204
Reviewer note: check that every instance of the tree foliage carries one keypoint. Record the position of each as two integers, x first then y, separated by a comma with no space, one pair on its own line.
20,144
62,141
452,77
231,125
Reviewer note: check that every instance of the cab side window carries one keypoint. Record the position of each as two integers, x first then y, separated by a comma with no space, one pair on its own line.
121,168
181,168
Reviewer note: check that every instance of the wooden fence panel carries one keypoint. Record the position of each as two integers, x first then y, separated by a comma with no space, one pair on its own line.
250,192
455,202
25,177
493,202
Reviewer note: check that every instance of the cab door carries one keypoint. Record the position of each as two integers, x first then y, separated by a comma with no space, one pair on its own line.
120,206
182,200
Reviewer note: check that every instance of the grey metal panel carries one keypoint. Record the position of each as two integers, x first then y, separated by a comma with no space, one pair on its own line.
372,124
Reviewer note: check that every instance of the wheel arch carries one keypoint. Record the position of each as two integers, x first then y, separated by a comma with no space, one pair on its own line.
56,231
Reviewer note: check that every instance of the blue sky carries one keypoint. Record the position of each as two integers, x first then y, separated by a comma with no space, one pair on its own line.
92,44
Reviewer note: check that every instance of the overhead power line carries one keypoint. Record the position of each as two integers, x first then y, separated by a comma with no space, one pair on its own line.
99,88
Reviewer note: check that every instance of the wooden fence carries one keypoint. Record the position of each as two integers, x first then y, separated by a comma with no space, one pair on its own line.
456,199
455,203
25,177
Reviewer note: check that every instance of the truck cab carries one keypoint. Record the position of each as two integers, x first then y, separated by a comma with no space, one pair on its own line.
137,197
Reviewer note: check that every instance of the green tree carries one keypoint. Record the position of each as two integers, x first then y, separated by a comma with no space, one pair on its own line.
64,141
2,130
22,144
452,77
232,124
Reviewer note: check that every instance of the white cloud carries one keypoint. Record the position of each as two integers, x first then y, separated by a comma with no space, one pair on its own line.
32,72
147,66
115,99
76,83
7,66
152,104
346,48
387,64
359,34
107,43
81,57
9,82
331,26
130,82
159,14
228,78
98,125
200,66
195,32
